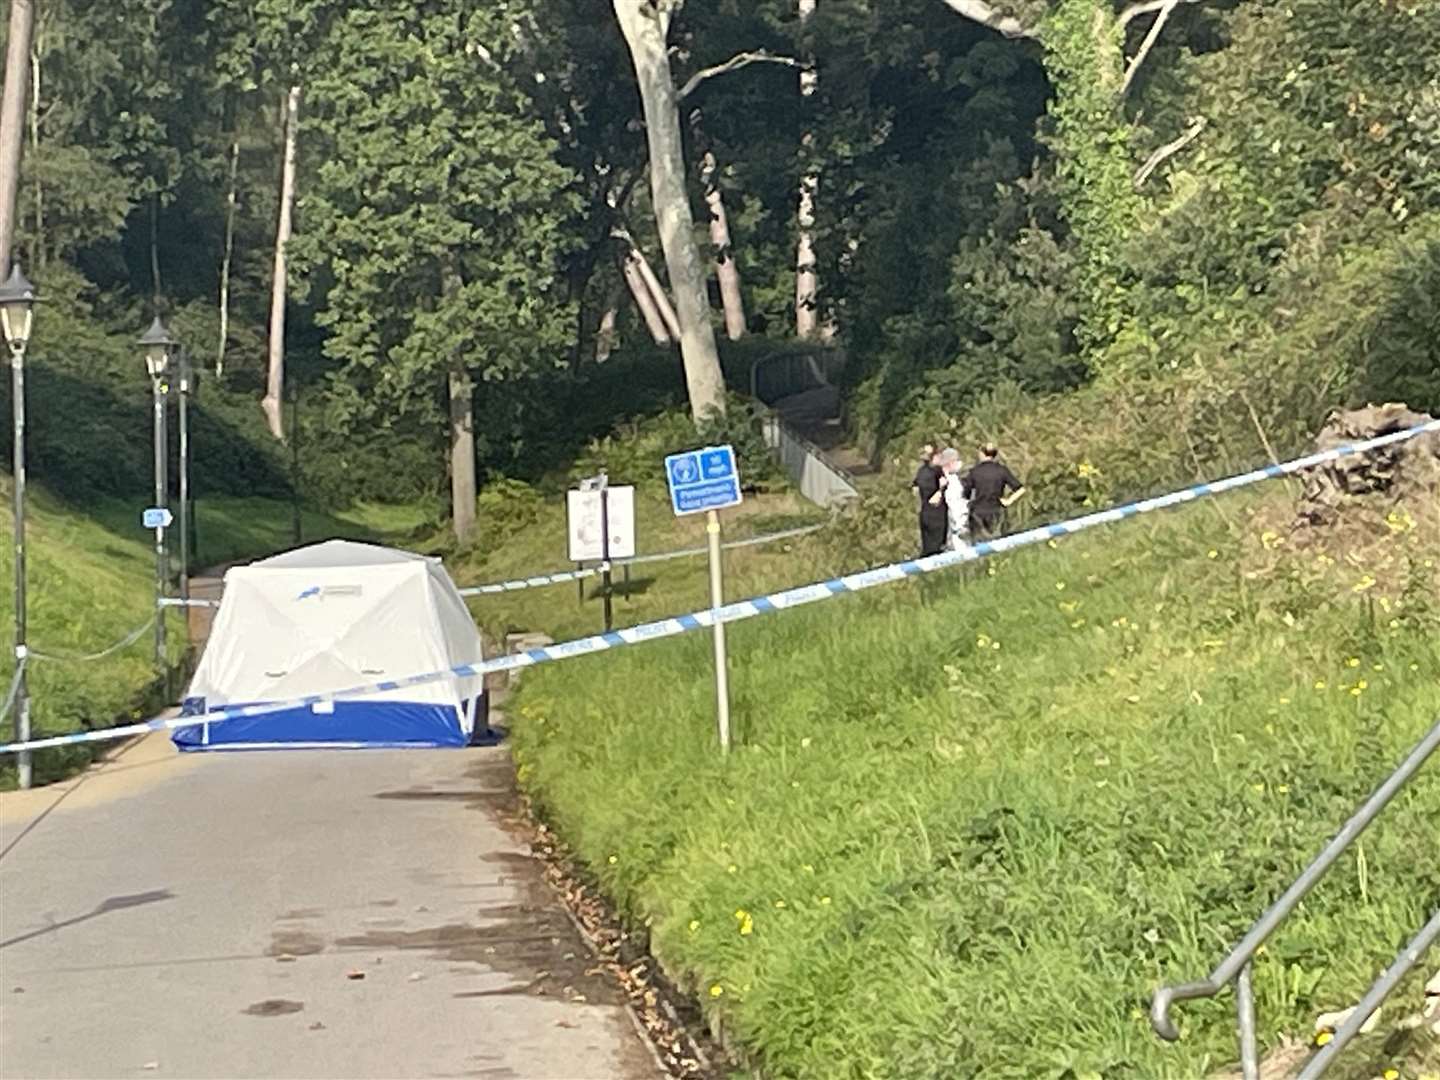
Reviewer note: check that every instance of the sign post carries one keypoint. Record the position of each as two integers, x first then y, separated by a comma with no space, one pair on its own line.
717,600
605,583
707,480
602,528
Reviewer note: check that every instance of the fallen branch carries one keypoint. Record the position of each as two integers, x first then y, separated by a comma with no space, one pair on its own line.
1169,150
981,12
735,63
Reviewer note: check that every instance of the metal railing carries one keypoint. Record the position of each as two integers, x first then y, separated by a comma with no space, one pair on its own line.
810,469
1236,967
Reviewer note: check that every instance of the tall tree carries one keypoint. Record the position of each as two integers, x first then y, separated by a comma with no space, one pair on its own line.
807,280
646,26
272,53
12,122
439,214
280,279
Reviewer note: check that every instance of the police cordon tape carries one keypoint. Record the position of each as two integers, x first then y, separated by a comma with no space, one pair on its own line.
562,576
746,609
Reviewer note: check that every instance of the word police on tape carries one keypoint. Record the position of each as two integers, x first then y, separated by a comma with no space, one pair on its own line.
760,605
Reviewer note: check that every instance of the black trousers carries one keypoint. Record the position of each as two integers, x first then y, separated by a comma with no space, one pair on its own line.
986,521
933,529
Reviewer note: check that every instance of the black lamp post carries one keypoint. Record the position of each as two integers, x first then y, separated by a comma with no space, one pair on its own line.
17,310
159,347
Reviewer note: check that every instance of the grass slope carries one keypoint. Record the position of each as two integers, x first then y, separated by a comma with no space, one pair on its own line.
91,581
972,822
526,535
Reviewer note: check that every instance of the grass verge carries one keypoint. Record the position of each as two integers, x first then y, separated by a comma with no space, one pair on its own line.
971,822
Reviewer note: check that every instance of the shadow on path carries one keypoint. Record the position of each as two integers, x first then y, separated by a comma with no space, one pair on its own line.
115,903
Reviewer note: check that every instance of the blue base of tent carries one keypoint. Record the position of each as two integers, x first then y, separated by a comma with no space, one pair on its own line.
351,725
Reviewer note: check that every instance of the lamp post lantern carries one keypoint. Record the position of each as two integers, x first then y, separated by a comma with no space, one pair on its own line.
159,347
17,310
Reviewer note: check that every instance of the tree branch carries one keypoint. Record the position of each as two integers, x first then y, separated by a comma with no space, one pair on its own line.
1134,11
739,60
981,12
1169,150
1145,46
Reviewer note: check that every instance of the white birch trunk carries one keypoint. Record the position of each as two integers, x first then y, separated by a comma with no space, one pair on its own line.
275,381
727,273
230,203
807,279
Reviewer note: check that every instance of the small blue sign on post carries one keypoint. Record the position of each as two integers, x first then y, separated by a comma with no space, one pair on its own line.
703,480
157,517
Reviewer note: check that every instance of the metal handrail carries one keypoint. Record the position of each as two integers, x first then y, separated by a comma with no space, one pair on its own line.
1235,968
766,412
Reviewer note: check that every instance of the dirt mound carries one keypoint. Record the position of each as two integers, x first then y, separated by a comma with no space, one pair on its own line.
1406,471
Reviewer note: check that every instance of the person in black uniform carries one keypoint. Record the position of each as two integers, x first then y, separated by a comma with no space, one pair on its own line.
933,522
991,488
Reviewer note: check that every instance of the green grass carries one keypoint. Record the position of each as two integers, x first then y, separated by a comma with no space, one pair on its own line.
971,822
91,580
229,528
536,543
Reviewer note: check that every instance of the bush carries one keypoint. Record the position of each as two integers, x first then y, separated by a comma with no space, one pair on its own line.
636,450
1401,359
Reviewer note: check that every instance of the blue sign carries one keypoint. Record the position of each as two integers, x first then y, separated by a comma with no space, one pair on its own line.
157,517
703,480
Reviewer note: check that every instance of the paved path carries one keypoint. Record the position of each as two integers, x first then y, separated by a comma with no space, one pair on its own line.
211,916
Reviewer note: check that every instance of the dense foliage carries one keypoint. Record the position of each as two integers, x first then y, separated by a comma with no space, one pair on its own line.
470,182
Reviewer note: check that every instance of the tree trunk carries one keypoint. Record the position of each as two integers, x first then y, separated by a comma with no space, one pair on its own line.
645,31
12,122
1085,60
157,284
38,254
275,383
644,299
605,335
657,293
807,279
726,272
462,455
230,201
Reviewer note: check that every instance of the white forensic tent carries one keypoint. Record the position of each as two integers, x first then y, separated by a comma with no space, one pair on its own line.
330,617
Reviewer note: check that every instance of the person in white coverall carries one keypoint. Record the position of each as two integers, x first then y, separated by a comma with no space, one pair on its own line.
957,506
